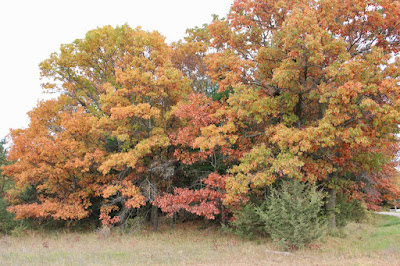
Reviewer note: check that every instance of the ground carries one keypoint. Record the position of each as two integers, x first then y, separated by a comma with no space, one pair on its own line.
373,243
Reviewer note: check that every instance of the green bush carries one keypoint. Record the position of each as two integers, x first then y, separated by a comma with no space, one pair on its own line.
247,223
134,225
292,214
7,222
349,211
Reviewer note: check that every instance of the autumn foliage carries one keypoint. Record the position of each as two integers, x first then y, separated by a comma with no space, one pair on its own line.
305,90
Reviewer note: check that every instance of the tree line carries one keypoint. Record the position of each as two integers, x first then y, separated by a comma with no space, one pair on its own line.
278,90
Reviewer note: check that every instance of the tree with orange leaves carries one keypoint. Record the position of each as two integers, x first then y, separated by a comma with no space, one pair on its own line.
139,118
105,139
208,155
56,157
314,87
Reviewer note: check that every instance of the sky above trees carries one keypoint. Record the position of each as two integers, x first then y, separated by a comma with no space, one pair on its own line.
31,31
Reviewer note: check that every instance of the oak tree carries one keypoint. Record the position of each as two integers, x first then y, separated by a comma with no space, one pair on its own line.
105,139
314,85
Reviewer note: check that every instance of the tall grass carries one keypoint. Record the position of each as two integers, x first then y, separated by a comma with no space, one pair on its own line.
377,243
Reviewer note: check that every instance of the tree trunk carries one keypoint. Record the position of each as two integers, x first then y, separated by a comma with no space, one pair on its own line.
124,214
154,217
223,220
173,220
330,207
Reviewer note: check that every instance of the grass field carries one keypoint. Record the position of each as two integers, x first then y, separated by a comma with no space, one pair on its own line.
374,243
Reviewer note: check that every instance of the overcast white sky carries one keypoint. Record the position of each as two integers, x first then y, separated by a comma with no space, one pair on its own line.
32,30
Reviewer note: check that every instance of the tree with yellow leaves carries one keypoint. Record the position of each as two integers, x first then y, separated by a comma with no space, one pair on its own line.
104,141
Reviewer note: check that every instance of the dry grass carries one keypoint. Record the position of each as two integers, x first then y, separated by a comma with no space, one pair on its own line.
364,245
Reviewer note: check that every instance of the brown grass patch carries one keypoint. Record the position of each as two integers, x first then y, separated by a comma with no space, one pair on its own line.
187,244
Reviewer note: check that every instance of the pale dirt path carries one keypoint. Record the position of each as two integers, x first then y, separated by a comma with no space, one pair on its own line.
397,214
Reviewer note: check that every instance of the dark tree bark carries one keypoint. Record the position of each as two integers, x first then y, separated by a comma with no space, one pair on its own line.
154,217
330,207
